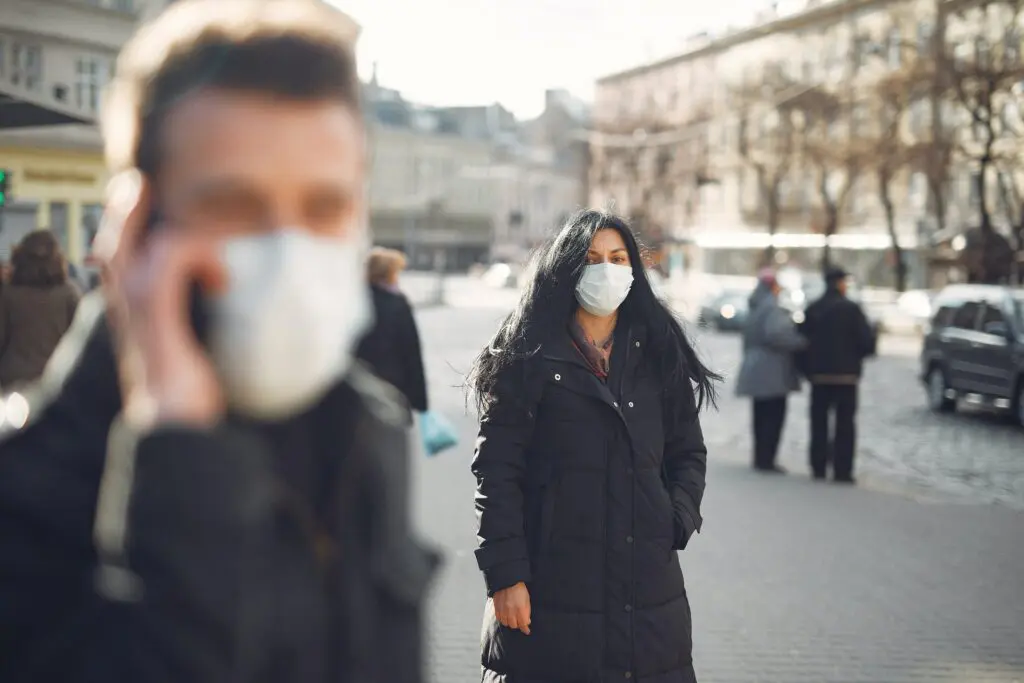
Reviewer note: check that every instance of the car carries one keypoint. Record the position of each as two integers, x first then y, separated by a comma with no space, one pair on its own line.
500,276
727,311
974,347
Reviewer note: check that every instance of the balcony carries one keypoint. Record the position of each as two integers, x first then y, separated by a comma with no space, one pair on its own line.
105,24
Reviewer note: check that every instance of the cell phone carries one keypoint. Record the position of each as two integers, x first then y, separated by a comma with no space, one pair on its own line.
198,308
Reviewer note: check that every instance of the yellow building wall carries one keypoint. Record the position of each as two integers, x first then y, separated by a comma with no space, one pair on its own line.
78,178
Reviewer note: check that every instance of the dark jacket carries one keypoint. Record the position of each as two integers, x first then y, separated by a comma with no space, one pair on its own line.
585,490
204,556
770,341
392,348
32,321
839,338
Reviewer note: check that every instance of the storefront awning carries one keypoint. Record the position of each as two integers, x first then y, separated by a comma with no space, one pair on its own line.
15,113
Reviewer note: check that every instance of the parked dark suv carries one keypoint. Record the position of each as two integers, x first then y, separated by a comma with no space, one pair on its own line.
975,345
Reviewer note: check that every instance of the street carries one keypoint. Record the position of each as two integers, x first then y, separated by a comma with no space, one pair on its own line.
914,575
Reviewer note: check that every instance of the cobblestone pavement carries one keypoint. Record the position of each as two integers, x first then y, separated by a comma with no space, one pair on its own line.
903,447
902,579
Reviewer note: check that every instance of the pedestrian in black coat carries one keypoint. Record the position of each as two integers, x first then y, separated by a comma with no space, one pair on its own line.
590,470
392,347
839,338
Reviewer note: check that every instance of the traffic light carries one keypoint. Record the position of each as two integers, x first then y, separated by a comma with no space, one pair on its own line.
5,186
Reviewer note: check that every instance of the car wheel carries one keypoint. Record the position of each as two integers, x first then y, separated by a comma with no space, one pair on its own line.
940,398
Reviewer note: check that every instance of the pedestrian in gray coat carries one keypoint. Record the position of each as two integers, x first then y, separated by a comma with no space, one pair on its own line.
768,373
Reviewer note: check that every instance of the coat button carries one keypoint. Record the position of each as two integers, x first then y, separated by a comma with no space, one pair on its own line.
558,378
629,471
629,539
630,404
629,608
638,345
629,674
615,403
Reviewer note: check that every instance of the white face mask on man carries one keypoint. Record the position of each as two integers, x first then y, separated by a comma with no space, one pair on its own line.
286,329
603,287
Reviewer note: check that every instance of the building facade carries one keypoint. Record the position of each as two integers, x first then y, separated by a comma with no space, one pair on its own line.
689,146
55,59
458,186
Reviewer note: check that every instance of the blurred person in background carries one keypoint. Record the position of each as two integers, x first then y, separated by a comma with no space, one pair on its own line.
392,348
590,468
206,488
768,372
839,338
37,306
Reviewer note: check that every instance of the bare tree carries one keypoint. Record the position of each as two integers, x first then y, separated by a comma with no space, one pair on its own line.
981,74
652,162
889,156
833,146
897,133
767,141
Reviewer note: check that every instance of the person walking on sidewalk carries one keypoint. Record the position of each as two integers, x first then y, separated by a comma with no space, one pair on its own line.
36,309
768,373
392,348
590,469
839,338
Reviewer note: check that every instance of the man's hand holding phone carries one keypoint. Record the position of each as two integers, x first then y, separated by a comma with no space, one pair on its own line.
166,376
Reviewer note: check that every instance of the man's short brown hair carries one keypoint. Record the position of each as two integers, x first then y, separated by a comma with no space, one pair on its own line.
294,49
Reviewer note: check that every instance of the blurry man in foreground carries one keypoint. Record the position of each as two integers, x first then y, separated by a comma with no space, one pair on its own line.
205,487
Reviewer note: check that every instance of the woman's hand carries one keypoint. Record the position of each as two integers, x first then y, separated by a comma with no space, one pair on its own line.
512,607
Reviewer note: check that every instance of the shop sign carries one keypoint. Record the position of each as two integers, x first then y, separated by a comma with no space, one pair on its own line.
58,176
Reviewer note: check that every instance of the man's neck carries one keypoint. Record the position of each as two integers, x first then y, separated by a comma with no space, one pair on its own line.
598,329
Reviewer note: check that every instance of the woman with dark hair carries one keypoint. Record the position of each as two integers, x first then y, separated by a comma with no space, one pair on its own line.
590,469
38,304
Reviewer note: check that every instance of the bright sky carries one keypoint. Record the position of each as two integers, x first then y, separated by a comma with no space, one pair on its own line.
451,52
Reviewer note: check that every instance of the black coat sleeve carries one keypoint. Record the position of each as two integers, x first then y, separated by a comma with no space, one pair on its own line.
866,337
685,460
412,358
191,541
499,464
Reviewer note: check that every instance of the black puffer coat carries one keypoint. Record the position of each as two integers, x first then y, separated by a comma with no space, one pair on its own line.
585,491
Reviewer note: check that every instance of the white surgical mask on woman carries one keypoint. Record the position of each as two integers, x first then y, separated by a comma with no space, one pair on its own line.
603,287
286,329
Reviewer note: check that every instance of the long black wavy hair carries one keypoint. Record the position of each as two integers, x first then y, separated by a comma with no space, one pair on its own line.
549,301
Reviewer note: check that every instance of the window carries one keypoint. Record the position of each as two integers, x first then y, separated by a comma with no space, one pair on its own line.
90,76
992,315
919,112
944,317
924,37
967,317
895,48
1011,47
27,65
